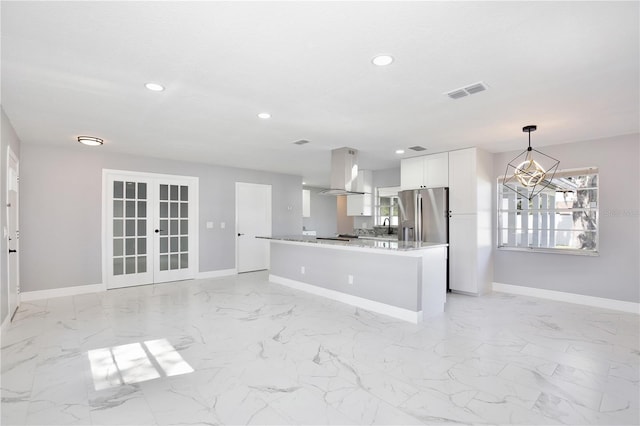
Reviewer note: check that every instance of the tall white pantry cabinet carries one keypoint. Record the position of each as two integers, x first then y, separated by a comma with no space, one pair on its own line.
470,234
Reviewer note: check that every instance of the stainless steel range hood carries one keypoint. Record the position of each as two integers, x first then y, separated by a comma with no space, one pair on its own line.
344,172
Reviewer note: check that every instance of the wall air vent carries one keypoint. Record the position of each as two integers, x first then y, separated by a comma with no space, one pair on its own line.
418,148
471,89
301,142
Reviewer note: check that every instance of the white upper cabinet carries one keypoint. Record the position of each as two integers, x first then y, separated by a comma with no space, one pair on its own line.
429,171
361,204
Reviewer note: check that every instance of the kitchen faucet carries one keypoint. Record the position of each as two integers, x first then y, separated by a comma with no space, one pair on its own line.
387,221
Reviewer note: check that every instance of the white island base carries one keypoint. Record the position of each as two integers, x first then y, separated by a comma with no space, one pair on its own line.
408,284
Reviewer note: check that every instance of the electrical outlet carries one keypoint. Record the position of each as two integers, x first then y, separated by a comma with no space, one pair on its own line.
223,225
302,270
350,279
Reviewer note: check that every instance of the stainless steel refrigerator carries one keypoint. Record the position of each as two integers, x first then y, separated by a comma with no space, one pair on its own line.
424,215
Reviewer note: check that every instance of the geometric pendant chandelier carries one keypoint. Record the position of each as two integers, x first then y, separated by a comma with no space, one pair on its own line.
529,174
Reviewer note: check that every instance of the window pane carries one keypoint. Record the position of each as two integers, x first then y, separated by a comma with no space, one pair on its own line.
130,246
164,245
174,210
174,261
117,208
164,209
131,209
174,192
142,209
184,260
130,189
164,227
130,230
117,247
142,264
184,243
118,266
117,228
142,191
164,192
184,210
164,262
118,189
174,228
130,265
184,193
174,244
184,227
142,227
142,246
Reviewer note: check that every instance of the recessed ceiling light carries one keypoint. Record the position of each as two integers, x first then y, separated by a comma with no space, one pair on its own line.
264,115
304,183
382,60
399,151
155,87
90,140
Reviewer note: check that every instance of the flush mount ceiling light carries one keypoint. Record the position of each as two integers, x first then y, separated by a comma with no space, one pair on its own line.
528,176
154,87
399,151
90,140
382,60
264,115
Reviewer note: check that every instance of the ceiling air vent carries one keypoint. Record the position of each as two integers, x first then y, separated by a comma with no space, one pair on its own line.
469,90
301,142
457,94
418,148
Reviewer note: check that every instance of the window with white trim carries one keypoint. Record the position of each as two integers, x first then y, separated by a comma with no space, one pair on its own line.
562,218
386,205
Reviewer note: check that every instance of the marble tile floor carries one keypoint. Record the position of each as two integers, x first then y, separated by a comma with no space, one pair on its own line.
239,350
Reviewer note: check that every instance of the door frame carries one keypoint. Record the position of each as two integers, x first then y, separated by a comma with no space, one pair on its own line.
11,156
194,211
237,216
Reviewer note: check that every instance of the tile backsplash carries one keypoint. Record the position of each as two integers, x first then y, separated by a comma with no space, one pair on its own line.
376,231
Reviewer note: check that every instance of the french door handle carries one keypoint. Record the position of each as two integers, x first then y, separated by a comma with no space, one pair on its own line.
157,231
239,234
13,251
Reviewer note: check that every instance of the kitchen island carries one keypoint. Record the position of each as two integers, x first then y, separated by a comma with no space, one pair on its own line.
405,280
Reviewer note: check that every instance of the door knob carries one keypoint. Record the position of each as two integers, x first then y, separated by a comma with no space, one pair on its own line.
13,251
159,230
239,234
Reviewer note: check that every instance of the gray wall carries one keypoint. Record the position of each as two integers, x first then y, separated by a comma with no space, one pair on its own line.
614,274
324,214
61,205
8,137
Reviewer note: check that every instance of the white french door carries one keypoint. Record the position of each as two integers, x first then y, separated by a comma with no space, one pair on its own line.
12,233
150,228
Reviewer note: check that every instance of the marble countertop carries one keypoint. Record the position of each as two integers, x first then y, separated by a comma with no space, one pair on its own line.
383,244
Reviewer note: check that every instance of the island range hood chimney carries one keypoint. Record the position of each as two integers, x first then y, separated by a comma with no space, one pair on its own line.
344,172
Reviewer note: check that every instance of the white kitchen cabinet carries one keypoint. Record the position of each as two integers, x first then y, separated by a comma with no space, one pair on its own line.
306,203
361,204
428,171
470,235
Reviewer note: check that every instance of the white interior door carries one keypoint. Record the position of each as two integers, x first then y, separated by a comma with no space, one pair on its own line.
253,218
150,231
13,233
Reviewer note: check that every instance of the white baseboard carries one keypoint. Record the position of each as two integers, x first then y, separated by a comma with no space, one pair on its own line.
216,274
60,292
598,302
370,305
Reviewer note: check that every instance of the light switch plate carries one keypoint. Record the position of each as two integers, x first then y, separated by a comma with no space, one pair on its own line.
209,225
223,225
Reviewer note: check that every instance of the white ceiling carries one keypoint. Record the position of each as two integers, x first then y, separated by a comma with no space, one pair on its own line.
79,68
